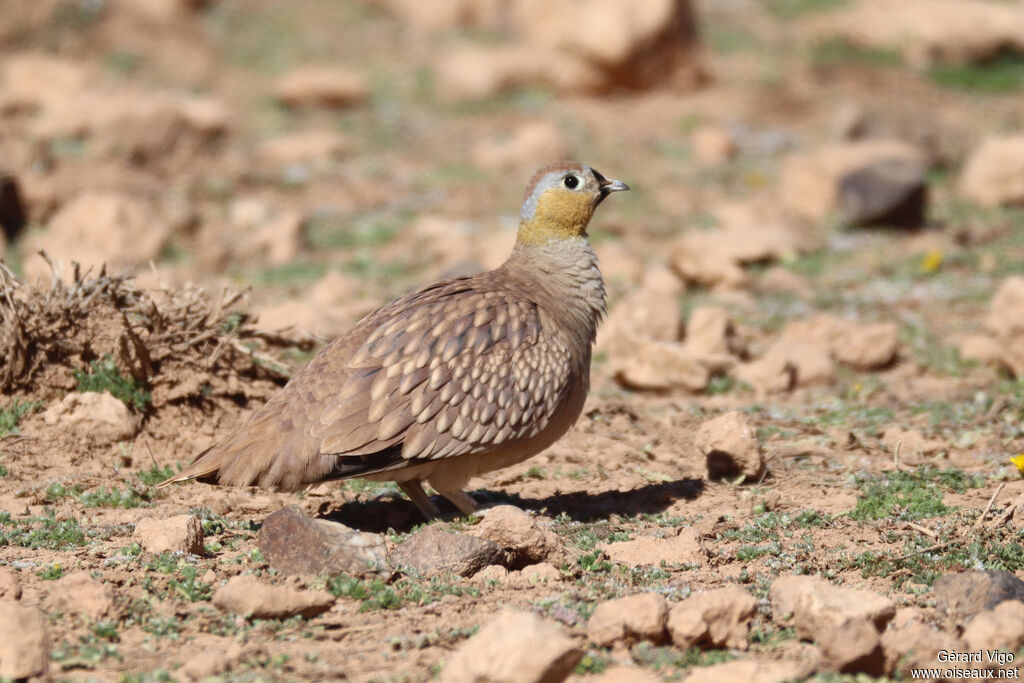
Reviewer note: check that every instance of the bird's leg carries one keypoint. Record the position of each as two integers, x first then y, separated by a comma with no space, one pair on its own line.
461,500
414,489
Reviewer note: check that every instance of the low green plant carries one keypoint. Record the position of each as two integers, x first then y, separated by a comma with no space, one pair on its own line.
13,412
104,375
909,495
41,532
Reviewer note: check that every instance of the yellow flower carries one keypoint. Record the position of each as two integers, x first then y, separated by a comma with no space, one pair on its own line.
931,261
1018,462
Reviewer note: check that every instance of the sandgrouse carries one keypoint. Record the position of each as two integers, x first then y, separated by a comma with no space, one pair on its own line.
465,376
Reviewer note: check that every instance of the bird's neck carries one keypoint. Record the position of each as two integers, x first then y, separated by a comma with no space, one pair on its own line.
566,282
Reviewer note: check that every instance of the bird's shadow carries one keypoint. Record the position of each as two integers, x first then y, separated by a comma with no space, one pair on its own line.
391,511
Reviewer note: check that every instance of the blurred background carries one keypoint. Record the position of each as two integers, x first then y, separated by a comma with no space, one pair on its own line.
787,157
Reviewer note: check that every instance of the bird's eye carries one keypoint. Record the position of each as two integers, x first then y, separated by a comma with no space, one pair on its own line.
571,182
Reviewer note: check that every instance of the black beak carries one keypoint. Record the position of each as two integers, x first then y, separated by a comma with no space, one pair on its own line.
606,186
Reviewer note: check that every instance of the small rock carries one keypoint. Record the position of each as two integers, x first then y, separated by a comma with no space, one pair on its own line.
24,641
752,670
296,544
80,593
542,572
683,547
961,596
730,446
637,617
161,11
716,257
811,363
869,347
863,347
246,596
814,606
770,374
713,145
660,366
216,656
651,311
100,415
1006,312
321,86
1001,628
523,147
853,646
10,587
315,147
515,647
811,183
710,332
892,192
620,674
96,228
994,172
177,534
981,348
494,572
715,619
433,550
275,234
524,538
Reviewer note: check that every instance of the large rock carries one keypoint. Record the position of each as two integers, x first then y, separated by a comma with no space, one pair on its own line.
598,45
853,646
632,45
1006,311
177,534
994,172
246,596
98,414
24,641
650,365
930,32
730,446
433,550
961,596
524,538
515,647
870,181
910,643
296,544
1000,628
37,81
100,227
715,619
814,606
863,346
629,619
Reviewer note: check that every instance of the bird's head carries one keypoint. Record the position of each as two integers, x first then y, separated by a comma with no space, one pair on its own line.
560,200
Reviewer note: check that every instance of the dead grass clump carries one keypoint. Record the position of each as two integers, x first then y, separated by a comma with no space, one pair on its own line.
180,346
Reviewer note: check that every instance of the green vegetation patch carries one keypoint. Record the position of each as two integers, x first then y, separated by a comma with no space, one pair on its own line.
1005,74
102,497
104,375
910,495
378,594
41,532
13,412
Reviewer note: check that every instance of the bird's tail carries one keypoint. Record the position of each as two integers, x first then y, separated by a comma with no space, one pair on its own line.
258,453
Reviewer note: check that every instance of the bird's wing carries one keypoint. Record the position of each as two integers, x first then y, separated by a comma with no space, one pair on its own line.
456,373
453,369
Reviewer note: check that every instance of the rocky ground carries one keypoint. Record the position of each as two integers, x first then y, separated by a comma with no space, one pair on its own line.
797,459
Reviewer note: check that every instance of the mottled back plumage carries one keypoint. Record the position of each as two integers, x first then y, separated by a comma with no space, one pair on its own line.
444,383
